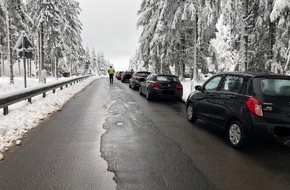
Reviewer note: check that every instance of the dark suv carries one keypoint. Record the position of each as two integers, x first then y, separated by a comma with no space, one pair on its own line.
245,104
126,76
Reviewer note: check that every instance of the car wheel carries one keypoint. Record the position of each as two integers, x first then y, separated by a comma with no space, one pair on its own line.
148,95
236,134
190,114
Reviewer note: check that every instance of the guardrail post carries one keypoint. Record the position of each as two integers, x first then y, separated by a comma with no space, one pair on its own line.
5,110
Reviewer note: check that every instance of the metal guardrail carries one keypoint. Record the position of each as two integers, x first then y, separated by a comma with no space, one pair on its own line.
29,93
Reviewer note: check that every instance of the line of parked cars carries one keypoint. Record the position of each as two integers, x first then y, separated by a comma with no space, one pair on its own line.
244,104
153,85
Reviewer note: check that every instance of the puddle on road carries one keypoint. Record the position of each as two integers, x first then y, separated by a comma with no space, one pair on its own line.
119,123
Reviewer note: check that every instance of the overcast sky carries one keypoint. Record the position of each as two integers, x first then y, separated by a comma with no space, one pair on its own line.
110,26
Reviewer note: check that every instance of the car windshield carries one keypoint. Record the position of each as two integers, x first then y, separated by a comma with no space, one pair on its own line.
272,86
167,79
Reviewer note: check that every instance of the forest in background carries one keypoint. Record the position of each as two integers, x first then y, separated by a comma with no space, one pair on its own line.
182,37
201,36
53,29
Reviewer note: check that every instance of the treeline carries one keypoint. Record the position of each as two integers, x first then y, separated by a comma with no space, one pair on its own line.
54,29
213,36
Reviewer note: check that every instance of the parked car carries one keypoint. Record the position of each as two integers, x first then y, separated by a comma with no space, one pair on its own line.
119,74
244,104
126,76
136,78
66,74
163,86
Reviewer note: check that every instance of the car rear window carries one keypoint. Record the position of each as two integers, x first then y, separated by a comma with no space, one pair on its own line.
272,86
167,79
142,74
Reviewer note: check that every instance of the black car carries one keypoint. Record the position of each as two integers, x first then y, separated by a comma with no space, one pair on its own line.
126,76
245,104
163,86
66,74
137,78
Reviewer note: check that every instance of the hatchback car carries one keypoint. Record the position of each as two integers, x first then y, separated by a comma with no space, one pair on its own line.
136,78
163,86
126,76
244,104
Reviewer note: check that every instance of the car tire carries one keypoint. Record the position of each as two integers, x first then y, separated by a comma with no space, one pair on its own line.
190,114
236,136
148,95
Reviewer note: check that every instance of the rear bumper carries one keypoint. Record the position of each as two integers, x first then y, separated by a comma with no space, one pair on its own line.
136,84
262,129
167,93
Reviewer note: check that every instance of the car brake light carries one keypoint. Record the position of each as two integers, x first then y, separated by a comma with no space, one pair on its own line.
179,86
137,78
156,84
255,106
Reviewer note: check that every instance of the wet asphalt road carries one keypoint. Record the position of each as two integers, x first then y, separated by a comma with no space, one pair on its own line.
110,137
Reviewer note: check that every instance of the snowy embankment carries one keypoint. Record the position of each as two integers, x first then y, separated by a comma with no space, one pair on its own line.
24,116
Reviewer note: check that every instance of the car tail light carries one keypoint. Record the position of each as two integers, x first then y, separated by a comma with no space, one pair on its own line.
255,106
179,86
156,84
137,78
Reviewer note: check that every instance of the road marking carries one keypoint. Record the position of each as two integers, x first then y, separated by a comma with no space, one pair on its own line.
108,107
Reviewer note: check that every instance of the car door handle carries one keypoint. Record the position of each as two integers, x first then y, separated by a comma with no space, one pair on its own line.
232,96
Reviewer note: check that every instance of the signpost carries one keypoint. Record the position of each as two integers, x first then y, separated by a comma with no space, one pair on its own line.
24,50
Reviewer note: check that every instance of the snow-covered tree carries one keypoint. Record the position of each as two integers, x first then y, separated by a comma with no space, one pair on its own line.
103,65
94,63
16,19
222,47
280,15
172,34
58,28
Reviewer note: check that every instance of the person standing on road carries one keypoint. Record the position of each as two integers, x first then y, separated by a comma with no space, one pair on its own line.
111,72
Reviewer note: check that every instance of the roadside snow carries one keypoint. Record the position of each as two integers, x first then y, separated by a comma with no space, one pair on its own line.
24,116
